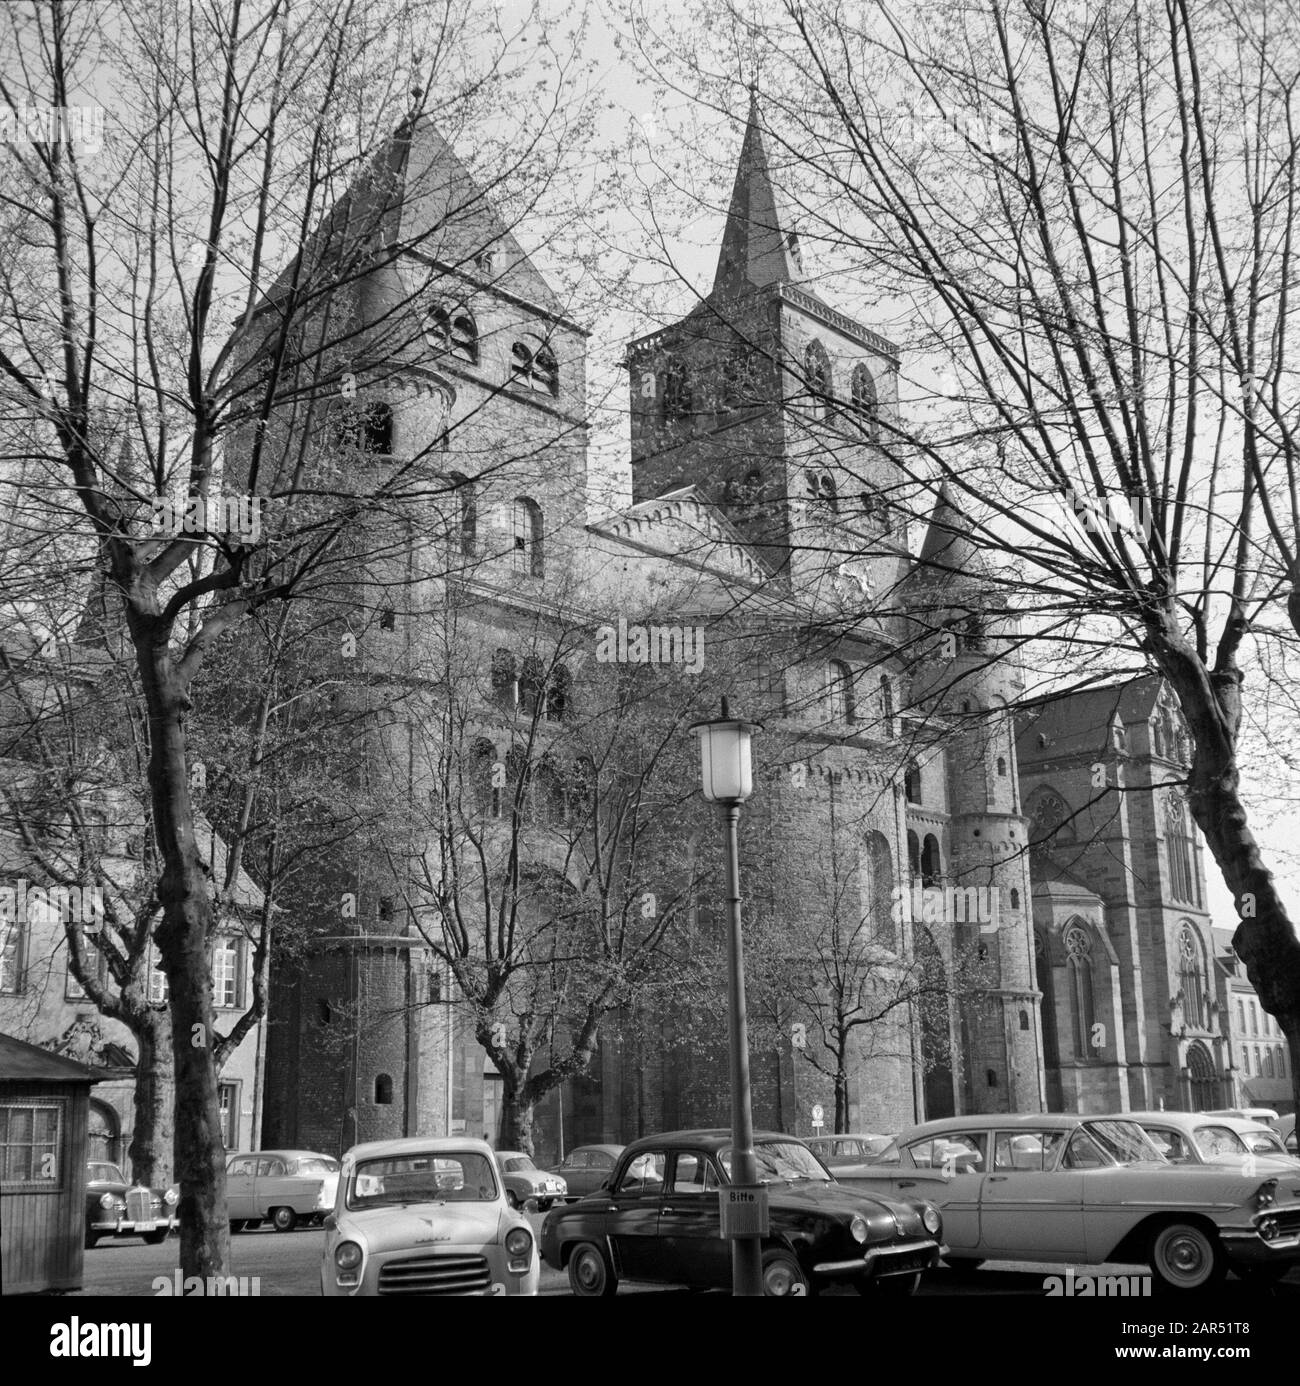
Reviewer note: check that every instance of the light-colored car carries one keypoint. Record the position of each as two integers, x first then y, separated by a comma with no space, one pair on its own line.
283,1187
523,1180
426,1216
1060,1187
1208,1138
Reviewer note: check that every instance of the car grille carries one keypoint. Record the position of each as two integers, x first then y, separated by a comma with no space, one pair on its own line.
902,1264
1289,1221
139,1205
435,1275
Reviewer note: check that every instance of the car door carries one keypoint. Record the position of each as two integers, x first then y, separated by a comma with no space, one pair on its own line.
948,1171
240,1174
1031,1201
690,1221
633,1217
274,1187
573,1170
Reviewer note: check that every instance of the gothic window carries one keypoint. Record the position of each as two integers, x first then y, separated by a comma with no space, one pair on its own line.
839,691
467,512
1191,978
1200,1072
817,377
1043,972
1024,1019
675,402
913,855
879,872
1015,898
1184,881
526,521
1078,950
1002,766
451,328
533,364
886,706
505,680
931,862
866,403
1241,1016
1051,824
912,783
821,492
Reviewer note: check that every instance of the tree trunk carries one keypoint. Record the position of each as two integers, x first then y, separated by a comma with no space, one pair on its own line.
841,1098
517,1104
151,1138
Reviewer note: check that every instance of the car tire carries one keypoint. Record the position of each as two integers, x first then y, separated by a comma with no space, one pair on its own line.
1184,1256
783,1275
284,1219
896,1286
590,1274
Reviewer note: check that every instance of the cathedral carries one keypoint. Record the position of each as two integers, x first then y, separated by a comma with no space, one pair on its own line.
1033,861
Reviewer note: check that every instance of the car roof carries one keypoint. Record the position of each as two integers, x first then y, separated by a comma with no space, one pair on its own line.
411,1145
513,1155
608,1148
715,1138
1198,1118
1004,1121
282,1154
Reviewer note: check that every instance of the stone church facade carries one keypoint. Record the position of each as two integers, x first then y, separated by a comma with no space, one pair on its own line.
759,512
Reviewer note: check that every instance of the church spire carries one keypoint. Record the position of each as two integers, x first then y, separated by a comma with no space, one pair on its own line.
758,247
947,551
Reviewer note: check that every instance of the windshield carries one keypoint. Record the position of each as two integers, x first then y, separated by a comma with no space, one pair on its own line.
781,1161
106,1174
1263,1142
453,1177
321,1166
1125,1141
1216,1141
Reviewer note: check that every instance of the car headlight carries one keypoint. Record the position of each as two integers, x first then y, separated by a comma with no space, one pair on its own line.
347,1256
1268,1228
518,1243
106,1200
858,1228
1266,1194
930,1217
172,1197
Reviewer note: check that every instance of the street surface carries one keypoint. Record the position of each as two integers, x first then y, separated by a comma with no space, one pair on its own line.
288,1263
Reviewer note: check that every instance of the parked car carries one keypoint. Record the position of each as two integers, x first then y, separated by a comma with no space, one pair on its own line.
1060,1187
426,1216
523,1180
1206,1138
117,1208
1261,1115
586,1167
282,1186
660,1221
837,1151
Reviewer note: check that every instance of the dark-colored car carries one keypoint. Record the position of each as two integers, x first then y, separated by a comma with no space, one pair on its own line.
586,1167
837,1151
117,1208
660,1221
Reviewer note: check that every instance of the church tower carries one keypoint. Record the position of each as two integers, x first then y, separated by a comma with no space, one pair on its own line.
771,403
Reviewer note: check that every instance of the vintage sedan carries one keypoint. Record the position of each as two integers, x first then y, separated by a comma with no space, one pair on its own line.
1077,1189
283,1187
117,1208
837,1152
523,1180
660,1220
426,1215
1206,1138
586,1167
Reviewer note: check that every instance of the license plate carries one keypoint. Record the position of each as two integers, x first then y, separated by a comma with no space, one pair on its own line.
145,1226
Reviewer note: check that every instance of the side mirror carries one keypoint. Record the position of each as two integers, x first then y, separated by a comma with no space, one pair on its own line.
330,1222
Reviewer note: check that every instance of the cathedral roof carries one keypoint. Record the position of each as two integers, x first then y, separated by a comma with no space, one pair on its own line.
1081,722
759,245
947,551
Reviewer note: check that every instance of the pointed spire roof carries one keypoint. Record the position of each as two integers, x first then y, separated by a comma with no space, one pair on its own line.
947,552
759,247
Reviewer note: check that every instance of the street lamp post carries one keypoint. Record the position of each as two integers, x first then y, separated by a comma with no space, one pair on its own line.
727,781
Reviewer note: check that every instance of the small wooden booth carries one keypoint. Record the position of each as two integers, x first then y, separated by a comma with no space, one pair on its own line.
44,1114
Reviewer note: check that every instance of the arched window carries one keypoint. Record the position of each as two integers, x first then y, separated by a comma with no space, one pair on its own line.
913,855
1024,1019
839,691
931,862
526,521
1191,978
1078,953
505,680
912,783
1241,1016
878,869
1002,766
1015,898
383,1089
1043,973
886,706
1200,1072
675,402
102,1133
1268,1063
451,328
866,404
532,687
817,377
821,492
1184,880
466,514
485,794
533,364
368,428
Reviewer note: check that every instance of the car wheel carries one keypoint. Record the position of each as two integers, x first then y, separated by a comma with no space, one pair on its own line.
783,1275
890,1285
590,1274
1184,1256
284,1219
156,1237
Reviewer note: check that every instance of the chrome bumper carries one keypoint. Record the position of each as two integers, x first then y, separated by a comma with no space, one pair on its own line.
878,1260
